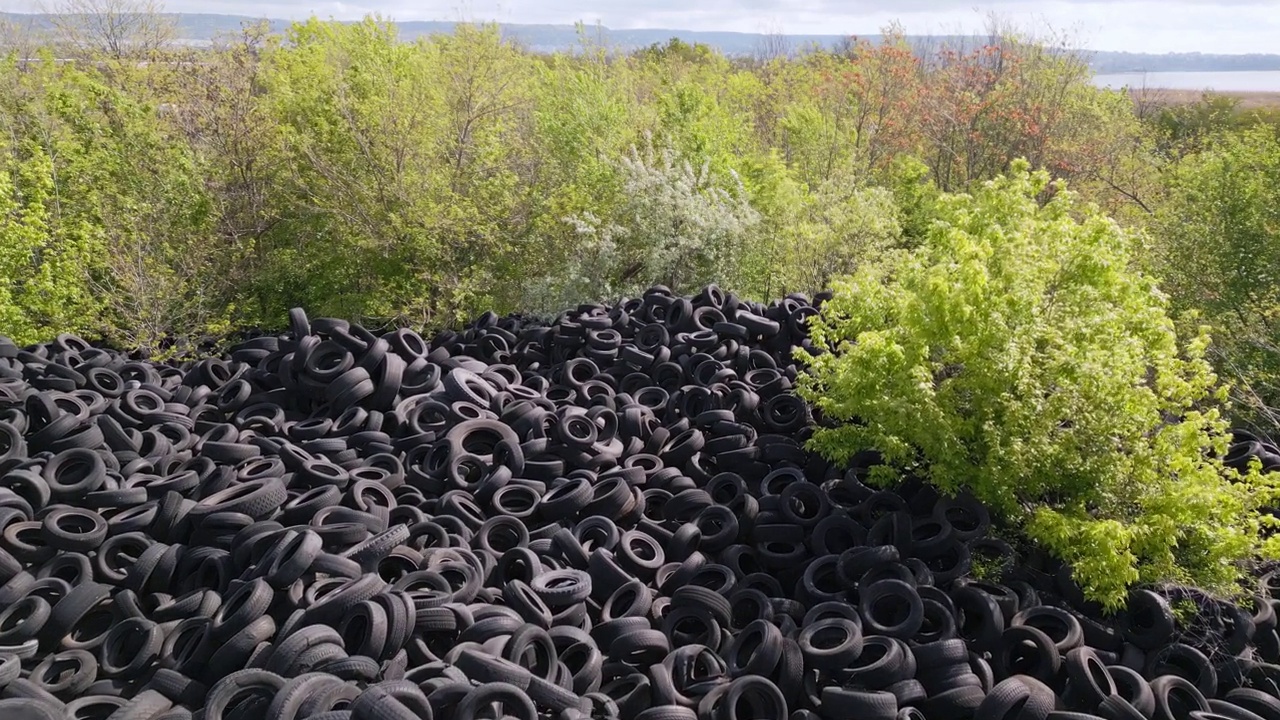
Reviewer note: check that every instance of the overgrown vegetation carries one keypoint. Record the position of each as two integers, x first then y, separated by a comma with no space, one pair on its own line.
1011,336
1015,354
1217,249
422,182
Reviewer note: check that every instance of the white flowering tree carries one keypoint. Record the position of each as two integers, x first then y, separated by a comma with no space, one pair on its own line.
674,224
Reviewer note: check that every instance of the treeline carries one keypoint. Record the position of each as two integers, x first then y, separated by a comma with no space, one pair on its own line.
160,199
342,169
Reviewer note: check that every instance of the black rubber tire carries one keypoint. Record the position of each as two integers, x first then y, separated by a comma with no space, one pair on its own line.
956,704
883,661
1012,698
831,644
94,706
54,674
1088,681
891,608
71,609
238,685
940,653
562,588
1061,626
1132,687
1256,701
1148,621
391,701
1026,650
840,703
22,619
1175,697
756,650
909,692
515,702
71,529
288,701
240,607
668,712
760,695
255,498
179,688
146,705
1184,661
1116,708
130,648
29,709
978,617
1226,709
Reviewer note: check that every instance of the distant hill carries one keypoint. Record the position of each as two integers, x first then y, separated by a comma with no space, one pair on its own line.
203,27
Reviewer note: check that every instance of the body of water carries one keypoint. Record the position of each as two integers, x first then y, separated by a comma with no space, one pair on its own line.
1242,81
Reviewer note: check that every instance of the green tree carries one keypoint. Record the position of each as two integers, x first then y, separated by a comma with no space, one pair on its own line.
114,29
677,50
1216,246
105,221
586,115
44,263
1186,127
1016,355
809,236
400,199
344,169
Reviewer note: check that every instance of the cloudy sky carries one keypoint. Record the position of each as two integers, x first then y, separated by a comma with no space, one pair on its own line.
1214,26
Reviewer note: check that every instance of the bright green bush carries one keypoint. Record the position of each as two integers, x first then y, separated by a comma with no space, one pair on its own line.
1015,354
43,275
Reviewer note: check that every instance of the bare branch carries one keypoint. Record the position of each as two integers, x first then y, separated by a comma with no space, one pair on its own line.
116,29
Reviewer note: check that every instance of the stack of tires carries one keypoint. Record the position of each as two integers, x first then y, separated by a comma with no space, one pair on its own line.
608,515
1245,447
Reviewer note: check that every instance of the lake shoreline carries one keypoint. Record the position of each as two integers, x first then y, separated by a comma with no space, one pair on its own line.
1254,89
1232,82
1249,100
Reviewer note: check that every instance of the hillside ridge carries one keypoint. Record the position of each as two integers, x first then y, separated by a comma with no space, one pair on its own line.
203,27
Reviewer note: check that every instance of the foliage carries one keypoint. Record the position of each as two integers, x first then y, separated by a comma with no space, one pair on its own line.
397,182
677,50
160,204
675,225
48,248
345,170
1216,247
914,196
103,218
211,100
42,262
1016,355
1186,127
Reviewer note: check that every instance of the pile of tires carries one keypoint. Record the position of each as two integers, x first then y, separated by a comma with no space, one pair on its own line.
1247,447
607,515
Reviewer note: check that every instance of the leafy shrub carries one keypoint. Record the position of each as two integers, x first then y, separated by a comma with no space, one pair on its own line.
106,228
1016,355
43,280
675,225
1216,249
809,234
